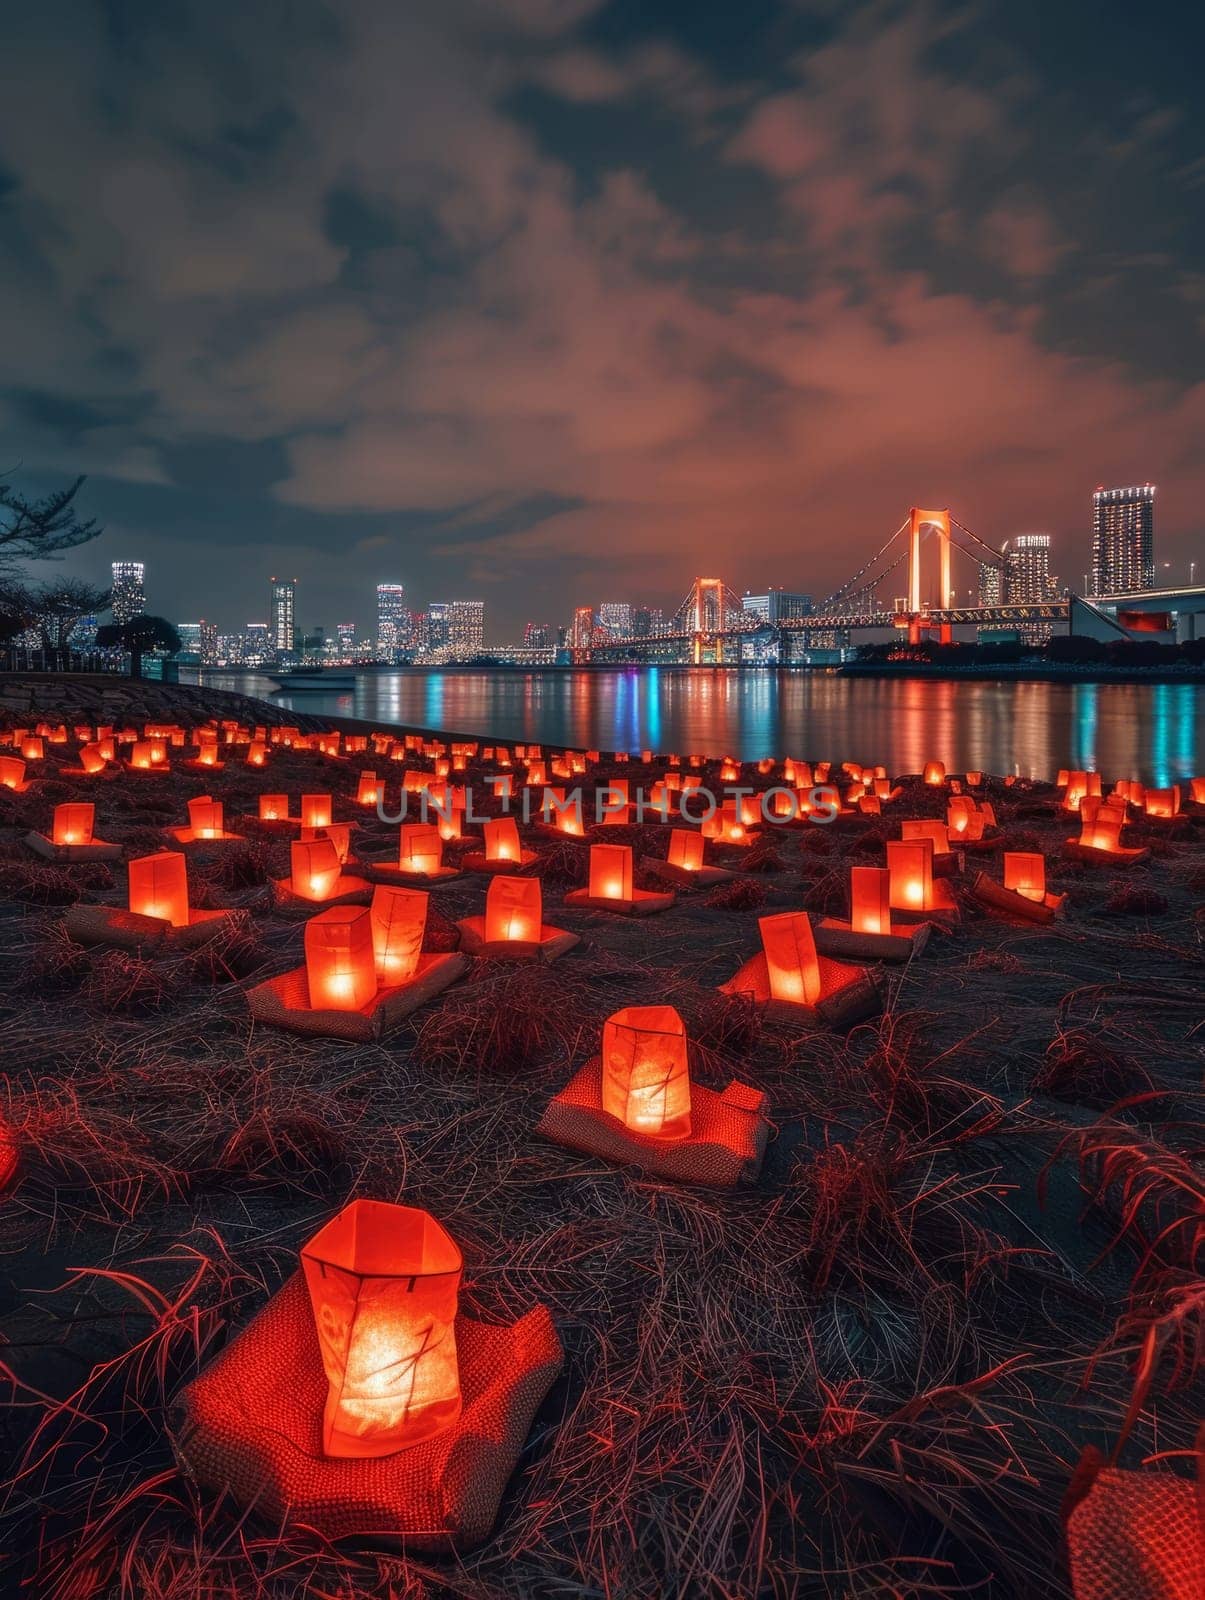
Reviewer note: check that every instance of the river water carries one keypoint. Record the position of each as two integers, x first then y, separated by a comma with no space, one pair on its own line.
1152,732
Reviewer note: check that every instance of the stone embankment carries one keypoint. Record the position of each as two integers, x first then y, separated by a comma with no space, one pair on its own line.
103,698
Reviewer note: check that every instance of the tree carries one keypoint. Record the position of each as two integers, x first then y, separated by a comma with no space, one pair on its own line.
17,610
39,530
139,635
60,608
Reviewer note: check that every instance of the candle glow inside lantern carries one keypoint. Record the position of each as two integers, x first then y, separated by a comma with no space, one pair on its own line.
645,1076
340,964
314,869
32,748
158,887
1164,803
1025,873
399,920
257,753
1100,824
935,772
383,1283
315,810
792,965
73,823
610,872
207,753
205,817
273,807
514,910
501,837
926,828
870,899
368,790
685,849
910,865
140,754
91,759
421,848
12,772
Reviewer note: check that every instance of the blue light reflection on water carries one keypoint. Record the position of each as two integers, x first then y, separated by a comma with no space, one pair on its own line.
1152,732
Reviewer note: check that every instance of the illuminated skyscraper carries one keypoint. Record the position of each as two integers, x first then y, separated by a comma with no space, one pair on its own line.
466,629
1123,539
1027,569
129,590
346,632
581,635
393,620
991,583
537,636
438,623
282,602
616,618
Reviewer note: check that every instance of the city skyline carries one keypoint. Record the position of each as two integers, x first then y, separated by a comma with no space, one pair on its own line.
596,295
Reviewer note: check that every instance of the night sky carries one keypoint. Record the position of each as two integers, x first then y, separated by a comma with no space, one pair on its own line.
561,301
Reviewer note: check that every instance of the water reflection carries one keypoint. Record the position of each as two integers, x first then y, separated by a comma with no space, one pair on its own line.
1153,732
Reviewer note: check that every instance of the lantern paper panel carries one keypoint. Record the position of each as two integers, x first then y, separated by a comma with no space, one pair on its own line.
205,817
910,864
91,759
383,1283
399,921
420,848
1025,873
514,910
686,849
339,963
935,772
12,772
273,807
315,869
923,828
315,810
792,965
368,790
645,1076
611,871
870,899
73,823
158,887
501,838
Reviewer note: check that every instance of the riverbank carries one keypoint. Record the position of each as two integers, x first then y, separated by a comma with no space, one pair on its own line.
1025,672
872,1368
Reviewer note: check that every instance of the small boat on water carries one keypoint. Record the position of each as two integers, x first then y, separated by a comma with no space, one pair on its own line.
324,678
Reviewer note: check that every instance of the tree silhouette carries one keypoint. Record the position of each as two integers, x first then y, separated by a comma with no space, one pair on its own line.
59,609
39,530
139,635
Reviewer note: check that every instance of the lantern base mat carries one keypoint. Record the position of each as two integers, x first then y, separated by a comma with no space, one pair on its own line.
272,824
204,766
120,929
848,995
1133,1535
700,877
190,836
382,872
547,831
161,769
251,1426
476,861
727,1142
1122,856
996,897
644,902
982,847
348,892
836,938
284,1002
942,905
98,850
550,946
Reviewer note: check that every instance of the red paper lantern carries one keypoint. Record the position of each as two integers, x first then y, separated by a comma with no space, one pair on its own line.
926,829
870,899
158,887
514,910
368,791
315,869
315,810
205,817
935,772
12,772
1162,802
91,759
421,848
383,1283
399,920
140,755
910,864
32,749
611,872
685,849
645,1077
792,965
257,753
340,966
273,807
501,838
73,823
1100,825
1025,873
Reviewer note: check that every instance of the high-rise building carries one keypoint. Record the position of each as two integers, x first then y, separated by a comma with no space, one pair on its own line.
347,638
282,606
209,643
581,635
1027,579
466,629
438,626
615,619
392,617
536,636
991,583
1123,539
776,605
129,590
190,639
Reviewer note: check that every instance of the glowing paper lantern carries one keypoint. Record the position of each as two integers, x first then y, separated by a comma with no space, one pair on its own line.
91,760
925,829
315,869
1162,802
315,810
73,823
399,920
273,807
257,753
205,817
140,755
451,823
12,772
792,965
158,887
32,749
611,871
910,865
935,772
870,899
207,753
1025,873
1197,791
514,910
645,1077
420,848
685,849
1100,825
368,791
383,1283
974,779
340,966
501,838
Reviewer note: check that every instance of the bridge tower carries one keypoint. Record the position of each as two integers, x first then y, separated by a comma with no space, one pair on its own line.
707,615
919,519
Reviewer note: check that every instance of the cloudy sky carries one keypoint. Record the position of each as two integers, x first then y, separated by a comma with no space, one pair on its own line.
560,301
